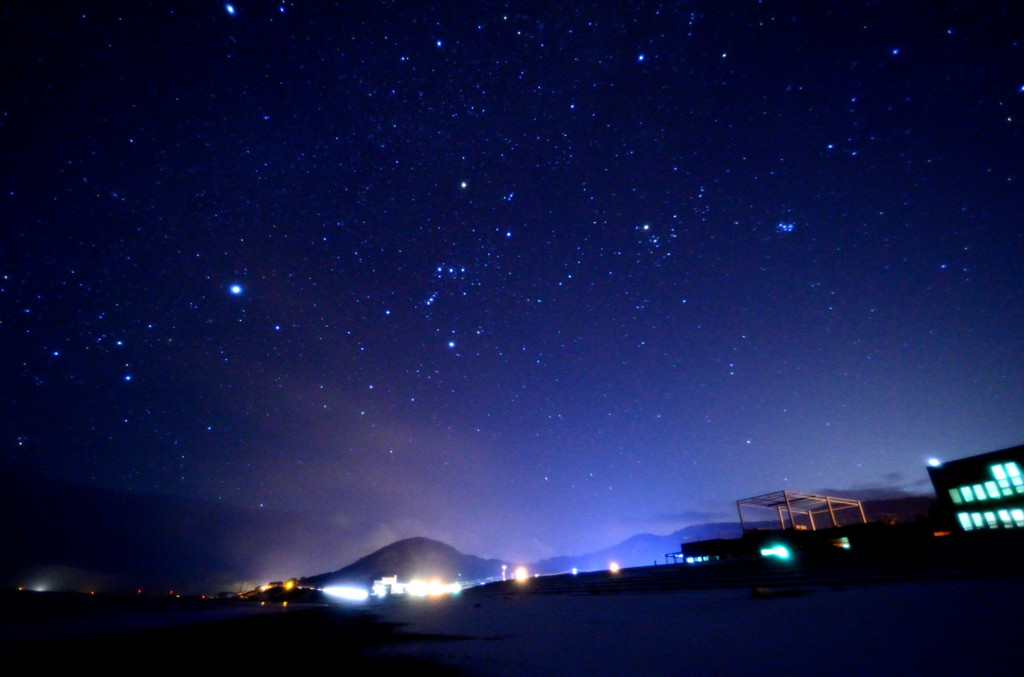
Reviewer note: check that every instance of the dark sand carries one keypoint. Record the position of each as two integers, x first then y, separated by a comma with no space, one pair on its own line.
126,635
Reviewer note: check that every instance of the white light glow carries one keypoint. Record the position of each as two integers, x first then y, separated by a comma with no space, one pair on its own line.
345,592
433,589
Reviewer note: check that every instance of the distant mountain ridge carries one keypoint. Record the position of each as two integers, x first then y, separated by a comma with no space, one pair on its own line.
639,550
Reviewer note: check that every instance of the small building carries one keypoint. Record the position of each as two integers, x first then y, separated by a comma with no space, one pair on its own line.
983,492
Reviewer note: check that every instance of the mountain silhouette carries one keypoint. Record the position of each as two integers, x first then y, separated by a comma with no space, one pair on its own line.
411,559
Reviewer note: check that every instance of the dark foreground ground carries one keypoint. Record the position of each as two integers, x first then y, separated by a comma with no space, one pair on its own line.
952,607
125,635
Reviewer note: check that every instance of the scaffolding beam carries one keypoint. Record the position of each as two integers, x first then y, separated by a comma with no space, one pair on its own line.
799,505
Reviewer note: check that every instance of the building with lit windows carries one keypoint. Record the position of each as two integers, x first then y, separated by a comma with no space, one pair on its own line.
982,492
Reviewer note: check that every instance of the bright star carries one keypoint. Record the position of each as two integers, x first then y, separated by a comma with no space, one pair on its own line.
236,289
230,9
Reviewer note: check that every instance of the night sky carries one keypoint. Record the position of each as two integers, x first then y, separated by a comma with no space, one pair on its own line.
527,279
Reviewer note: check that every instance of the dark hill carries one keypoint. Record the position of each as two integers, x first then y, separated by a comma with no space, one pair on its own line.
902,510
61,535
639,550
413,558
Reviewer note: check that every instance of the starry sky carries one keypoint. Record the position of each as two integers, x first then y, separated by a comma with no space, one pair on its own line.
527,278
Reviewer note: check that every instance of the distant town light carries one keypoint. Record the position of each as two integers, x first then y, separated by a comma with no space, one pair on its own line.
614,567
521,574
934,462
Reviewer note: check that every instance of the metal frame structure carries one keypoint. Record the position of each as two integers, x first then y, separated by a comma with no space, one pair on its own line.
790,503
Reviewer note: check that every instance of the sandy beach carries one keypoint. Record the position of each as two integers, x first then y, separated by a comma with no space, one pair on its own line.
911,628
924,627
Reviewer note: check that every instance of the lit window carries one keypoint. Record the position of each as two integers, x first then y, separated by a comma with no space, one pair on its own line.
976,518
955,495
1004,517
1014,473
990,520
965,521
979,492
1018,517
998,472
968,494
992,489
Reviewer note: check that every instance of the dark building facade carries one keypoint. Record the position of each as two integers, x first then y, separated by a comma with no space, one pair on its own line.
982,492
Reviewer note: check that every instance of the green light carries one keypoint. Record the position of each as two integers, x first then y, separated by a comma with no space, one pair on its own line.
992,489
780,551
